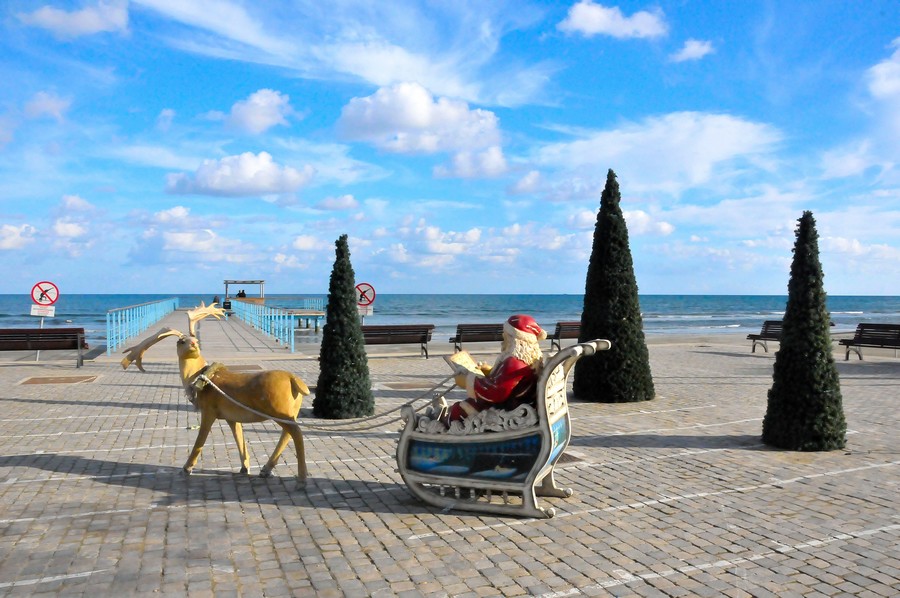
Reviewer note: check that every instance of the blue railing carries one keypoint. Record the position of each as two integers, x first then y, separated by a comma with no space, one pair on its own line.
274,321
126,322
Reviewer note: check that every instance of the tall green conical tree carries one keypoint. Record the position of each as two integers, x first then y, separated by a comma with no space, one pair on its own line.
612,311
805,410
344,389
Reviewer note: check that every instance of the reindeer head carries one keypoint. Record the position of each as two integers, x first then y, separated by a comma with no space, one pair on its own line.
188,347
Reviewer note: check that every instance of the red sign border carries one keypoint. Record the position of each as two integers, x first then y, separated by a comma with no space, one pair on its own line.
365,295
38,286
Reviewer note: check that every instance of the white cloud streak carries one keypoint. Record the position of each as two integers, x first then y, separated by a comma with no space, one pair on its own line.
670,153
47,104
100,18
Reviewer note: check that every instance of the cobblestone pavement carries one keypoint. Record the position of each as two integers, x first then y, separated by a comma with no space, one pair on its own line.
673,497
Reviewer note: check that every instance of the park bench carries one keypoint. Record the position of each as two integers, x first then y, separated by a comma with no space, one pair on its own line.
44,339
771,331
399,334
474,333
872,335
495,461
564,330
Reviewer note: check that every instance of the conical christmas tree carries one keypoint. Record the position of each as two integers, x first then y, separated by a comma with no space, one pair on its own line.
612,311
344,389
805,410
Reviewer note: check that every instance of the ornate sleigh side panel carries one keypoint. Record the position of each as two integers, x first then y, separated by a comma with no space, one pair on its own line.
496,461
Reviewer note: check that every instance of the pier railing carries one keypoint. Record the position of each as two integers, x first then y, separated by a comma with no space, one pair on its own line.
125,322
274,321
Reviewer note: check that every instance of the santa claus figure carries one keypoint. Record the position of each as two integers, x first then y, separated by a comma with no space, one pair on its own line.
511,381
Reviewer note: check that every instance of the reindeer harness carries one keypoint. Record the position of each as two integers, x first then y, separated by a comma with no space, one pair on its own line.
200,381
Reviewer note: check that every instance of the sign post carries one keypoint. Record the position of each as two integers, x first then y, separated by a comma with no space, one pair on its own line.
44,294
365,300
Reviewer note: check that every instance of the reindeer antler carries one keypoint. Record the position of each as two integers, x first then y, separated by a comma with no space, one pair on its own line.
136,353
203,311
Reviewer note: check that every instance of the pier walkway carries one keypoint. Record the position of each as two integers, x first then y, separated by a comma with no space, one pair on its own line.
673,497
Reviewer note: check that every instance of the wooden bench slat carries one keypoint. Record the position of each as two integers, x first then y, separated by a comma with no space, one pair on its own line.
476,333
563,330
43,339
771,331
399,334
877,335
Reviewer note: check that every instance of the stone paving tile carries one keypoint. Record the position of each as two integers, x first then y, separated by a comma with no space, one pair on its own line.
674,497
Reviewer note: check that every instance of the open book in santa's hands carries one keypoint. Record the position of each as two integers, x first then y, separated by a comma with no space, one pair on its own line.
462,363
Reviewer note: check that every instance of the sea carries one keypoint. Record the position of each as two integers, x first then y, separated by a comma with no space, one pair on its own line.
662,314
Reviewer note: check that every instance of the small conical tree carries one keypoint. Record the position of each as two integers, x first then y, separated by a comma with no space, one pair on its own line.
343,389
612,311
805,410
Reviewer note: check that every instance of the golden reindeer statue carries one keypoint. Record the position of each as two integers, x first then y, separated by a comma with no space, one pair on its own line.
236,397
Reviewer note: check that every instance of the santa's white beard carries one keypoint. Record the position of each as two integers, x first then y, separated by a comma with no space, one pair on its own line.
527,351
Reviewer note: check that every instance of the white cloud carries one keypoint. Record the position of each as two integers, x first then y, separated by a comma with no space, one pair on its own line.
343,202
527,184
242,33
68,229
693,49
16,237
848,161
406,118
642,223
260,112
884,86
247,174
470,165
176,215
283,260
884,77
450,242
205,241
855,248
308,243
451,51
669,153
591,19
102,17
47,104
582,220
164,119
331,161
76,204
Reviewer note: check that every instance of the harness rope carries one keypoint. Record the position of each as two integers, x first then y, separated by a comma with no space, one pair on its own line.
202,377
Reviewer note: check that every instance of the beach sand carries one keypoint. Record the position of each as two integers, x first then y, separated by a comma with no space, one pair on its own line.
675,496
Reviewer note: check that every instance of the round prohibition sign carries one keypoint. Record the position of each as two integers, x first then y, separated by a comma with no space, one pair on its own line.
44,293
366,294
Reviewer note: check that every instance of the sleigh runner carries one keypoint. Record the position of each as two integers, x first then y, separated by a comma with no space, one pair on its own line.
495,461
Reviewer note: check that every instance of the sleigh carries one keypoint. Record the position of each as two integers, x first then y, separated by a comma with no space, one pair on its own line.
495,461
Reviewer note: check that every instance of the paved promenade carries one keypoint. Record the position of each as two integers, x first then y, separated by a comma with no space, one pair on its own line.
673,497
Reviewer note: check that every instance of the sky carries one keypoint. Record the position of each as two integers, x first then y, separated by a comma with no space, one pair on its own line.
163,146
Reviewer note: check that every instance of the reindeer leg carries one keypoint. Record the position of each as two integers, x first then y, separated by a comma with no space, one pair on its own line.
266,471
207,418
238,431
297,435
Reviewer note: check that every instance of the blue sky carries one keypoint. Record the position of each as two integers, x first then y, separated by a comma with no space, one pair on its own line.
166,145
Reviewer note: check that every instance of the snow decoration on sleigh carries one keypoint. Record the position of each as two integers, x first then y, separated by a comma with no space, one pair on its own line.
495,461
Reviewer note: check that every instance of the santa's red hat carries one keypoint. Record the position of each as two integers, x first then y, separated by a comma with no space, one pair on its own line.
524,327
